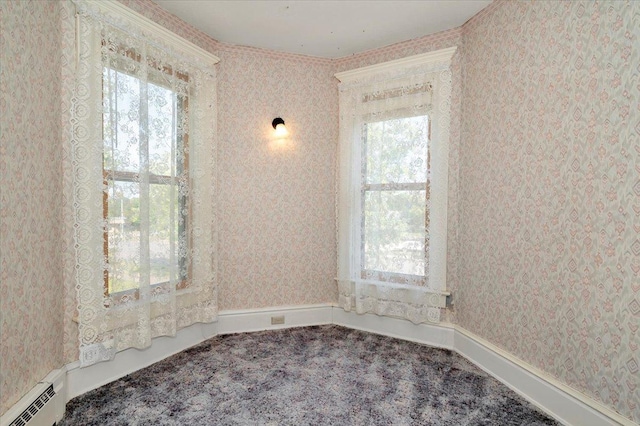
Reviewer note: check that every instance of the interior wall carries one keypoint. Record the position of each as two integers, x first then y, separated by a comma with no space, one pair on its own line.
277,204
30,167
545,264
417,46
550,191
276,213
276,199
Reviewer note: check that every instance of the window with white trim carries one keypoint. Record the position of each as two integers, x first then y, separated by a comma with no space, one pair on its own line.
146,172
392,187
142,147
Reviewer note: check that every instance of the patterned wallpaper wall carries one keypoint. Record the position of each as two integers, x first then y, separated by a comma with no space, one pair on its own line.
544,200
550,190
277,217
276,205
30,277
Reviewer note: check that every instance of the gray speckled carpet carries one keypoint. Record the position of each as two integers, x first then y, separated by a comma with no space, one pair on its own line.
325,375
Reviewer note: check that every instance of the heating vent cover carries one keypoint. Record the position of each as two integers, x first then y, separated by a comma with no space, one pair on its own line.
32,410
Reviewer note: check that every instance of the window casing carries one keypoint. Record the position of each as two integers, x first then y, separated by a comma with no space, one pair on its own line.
393,185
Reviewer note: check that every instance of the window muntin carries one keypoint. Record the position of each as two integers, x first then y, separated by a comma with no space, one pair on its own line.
394,199
145,158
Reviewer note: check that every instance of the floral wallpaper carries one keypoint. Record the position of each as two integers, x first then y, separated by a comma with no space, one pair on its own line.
550,191
544,199
30,278
277,218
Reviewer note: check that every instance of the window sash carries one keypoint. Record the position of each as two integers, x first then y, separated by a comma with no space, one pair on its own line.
156,77
370,274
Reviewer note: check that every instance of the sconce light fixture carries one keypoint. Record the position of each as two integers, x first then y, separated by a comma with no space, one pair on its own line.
278,125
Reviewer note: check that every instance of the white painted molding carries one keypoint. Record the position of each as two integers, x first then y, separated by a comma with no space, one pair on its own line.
440,336
52,411
560,401
442,55
565,404
242,321
149,27
82,380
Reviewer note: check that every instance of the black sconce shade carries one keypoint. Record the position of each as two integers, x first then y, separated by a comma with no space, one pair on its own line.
277,121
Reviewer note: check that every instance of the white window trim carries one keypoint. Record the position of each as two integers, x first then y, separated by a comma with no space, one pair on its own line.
439,183
443,55
147,26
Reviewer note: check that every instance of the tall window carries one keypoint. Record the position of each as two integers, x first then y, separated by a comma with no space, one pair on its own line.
395,192
145,165
142,147
393,185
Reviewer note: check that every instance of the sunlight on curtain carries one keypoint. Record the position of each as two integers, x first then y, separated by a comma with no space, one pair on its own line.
143,154
392,174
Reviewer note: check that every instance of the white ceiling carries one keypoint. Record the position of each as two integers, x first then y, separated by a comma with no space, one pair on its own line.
324,28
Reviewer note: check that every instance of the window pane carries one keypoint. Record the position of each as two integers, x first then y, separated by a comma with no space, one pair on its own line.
396,150
124,236
394,231
161,232
121,121
122,118
140,135
161,128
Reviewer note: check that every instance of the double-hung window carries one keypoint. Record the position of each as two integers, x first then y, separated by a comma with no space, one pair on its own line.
395,195
142,148
145,166
393,187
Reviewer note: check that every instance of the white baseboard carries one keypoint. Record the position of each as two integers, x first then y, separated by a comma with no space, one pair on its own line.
440,336
260,319
563,403
82,380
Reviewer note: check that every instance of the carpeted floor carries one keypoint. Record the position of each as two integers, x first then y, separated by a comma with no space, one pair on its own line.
325,375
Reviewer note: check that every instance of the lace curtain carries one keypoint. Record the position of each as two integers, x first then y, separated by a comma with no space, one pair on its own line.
394,132
143,155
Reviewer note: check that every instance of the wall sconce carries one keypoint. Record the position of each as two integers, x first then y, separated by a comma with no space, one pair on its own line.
280,129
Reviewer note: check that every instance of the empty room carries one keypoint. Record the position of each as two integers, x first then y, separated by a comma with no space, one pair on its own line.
319,212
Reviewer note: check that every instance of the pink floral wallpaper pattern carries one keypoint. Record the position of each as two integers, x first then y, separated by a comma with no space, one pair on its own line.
276,206
30,165
550,188
544,206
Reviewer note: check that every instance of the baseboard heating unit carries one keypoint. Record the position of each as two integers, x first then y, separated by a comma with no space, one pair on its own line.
41,406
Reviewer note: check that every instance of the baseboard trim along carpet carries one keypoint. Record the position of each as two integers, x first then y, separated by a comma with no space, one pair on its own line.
82,380
565,404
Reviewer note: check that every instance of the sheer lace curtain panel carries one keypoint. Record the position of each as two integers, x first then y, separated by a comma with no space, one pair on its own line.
143,153
392,187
